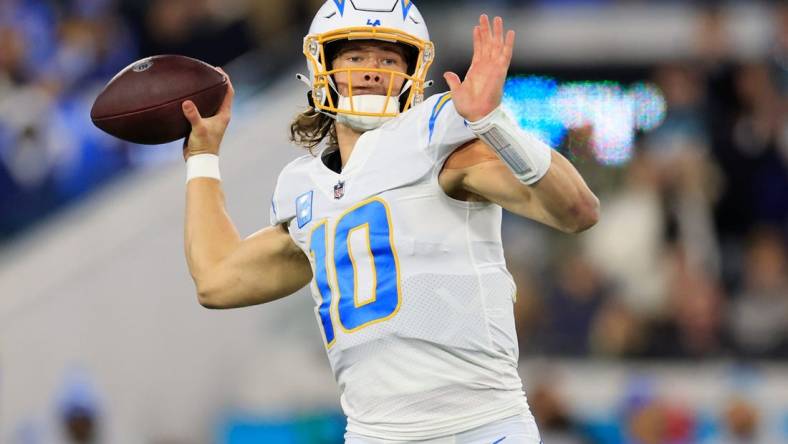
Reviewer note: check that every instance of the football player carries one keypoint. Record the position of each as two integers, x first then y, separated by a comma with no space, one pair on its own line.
395,218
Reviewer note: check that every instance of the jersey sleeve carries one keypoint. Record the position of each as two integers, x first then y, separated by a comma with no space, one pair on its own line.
446,129
283,207
274,214
278,212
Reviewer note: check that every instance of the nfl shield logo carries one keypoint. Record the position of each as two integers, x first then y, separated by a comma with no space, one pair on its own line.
339,190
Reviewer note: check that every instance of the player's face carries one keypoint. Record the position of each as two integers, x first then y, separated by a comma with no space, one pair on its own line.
370,54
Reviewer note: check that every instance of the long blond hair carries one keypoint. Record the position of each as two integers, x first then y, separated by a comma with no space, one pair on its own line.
310,127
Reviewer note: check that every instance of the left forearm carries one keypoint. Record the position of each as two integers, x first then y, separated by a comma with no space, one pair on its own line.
548,186
539,184
560,198
564,197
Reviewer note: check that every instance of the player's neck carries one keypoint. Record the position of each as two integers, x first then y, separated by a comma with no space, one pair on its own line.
346,138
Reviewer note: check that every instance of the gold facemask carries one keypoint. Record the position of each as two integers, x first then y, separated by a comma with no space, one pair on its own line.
322,83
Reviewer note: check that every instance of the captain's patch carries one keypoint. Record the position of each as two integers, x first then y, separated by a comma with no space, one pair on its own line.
304,209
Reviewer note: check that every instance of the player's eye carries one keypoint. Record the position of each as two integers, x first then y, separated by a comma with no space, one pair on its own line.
355,59
389,62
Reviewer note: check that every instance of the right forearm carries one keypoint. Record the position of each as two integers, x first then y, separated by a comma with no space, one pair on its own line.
229,271
209,235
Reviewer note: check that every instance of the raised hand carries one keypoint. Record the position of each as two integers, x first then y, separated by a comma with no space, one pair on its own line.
207,133
481,91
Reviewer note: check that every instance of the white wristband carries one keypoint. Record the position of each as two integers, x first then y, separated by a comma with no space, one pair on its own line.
202,165
527,157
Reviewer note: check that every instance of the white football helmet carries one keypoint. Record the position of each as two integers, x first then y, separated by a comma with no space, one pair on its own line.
396,21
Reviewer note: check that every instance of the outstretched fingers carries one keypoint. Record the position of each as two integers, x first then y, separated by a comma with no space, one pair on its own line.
490,40
498,31
508,46
477,44
481,90
484,34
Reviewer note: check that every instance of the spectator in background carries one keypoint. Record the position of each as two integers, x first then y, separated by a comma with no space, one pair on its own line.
758,315
12,52
758,140
691,190
572,305
627,245
679,149
556,424
192,28
693,327
753,154
712,38
616,331
24,106
80,425
741,422
21,102
684,128
528,308
650,419
79,409
780,48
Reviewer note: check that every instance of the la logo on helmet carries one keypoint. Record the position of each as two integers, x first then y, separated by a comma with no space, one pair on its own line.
371,23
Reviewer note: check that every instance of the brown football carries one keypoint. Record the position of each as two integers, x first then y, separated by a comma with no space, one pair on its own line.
142,103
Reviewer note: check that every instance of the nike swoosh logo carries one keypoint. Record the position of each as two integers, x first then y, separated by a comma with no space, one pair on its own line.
496,442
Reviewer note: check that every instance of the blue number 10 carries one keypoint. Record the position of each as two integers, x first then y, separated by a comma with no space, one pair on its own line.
373,217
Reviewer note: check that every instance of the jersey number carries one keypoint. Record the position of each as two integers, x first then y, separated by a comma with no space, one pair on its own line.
371,216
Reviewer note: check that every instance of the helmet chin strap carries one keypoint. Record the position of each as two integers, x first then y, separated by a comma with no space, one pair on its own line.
367,104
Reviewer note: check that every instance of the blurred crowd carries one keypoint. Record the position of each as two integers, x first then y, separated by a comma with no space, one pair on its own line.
689,259
644,414
56,55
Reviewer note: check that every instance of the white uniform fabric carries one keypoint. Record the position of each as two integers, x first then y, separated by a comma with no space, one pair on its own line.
520,429
444,360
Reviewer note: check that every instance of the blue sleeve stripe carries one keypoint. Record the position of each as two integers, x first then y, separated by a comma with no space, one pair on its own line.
436,110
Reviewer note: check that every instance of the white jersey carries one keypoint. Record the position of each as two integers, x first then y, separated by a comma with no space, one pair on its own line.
411,289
